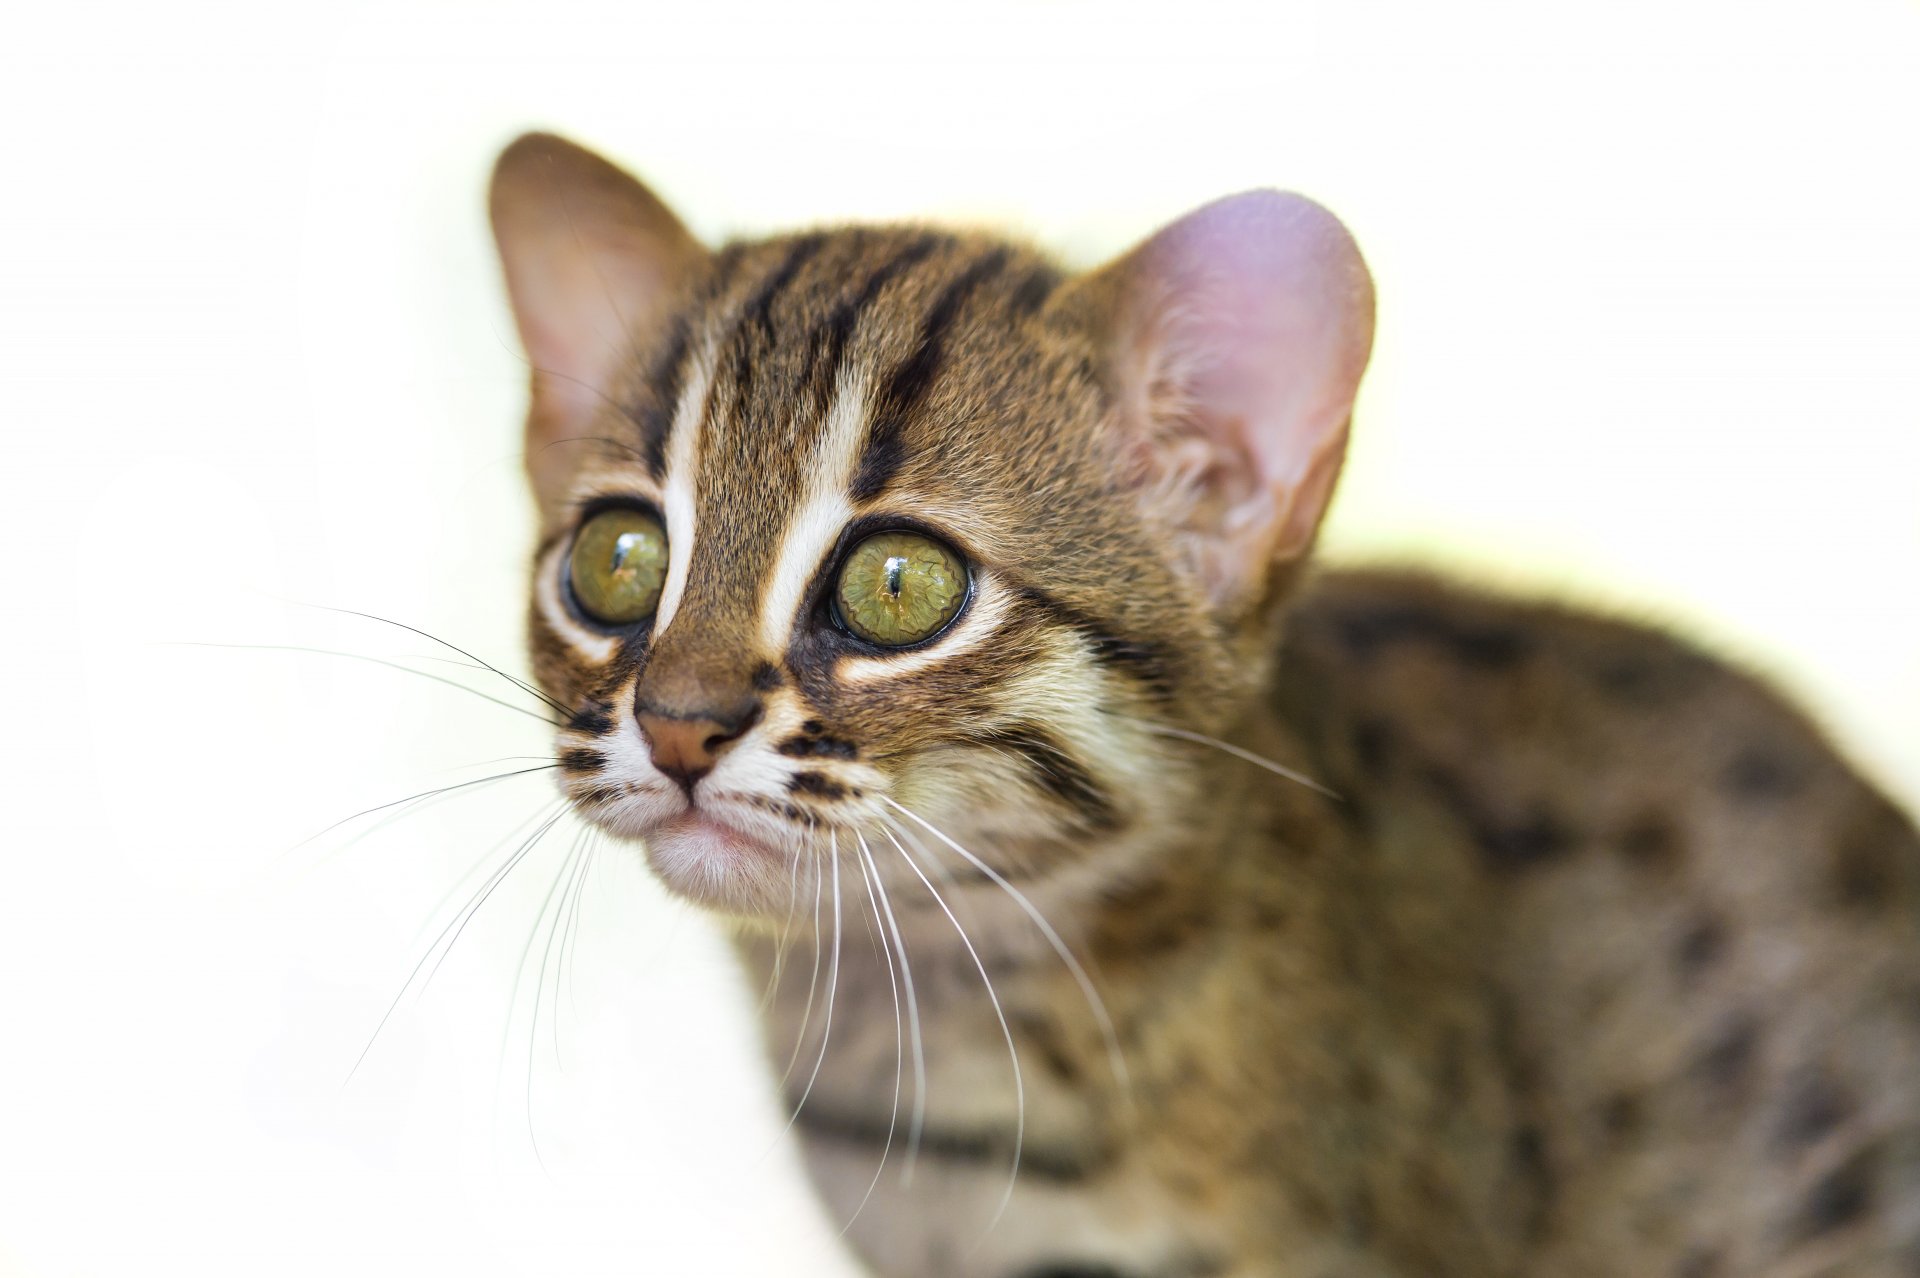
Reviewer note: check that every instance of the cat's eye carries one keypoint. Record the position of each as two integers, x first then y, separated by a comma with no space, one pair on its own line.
899,588
618,565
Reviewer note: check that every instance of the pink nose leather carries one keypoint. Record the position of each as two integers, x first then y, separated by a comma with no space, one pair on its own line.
686,749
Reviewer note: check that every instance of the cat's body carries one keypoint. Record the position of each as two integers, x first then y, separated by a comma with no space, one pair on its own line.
1562,950
1601,964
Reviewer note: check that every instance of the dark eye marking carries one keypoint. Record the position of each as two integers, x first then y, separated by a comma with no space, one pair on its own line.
1056,769
582,760
1133,658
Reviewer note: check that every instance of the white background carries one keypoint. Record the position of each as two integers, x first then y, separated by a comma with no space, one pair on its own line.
1649,288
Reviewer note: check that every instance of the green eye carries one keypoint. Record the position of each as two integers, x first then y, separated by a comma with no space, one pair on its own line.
618,563
898,588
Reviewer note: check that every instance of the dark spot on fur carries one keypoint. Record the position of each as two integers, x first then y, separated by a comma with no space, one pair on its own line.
1535,1174
813,727
767,677
1874,857
817,784
1269,917
1363,1084
1531,842
1508,845
1372,747
1840,1197
1356,1218
596,720
1863,873
1072,1269
1648,677
1450,1071
1622,1115
820,748
1727,1061
580,760
1651,840
1701,1262
1628,677
1759,774
1700,946
1814,1107
1482,647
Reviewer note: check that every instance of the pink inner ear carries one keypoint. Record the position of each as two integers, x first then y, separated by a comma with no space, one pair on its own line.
1259,322
590,258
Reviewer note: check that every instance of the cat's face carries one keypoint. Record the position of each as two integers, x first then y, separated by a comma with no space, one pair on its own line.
890,546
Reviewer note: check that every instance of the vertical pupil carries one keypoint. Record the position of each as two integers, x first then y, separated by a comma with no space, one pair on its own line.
623,547
895,570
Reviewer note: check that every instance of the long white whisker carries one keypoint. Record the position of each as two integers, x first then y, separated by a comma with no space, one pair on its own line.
455,927
899,1048
571,965
813,981
780,948
415,798
519,683
378,661
1013,1054
1258,761
569,910
540,989
833,984
1115,1057
919,1116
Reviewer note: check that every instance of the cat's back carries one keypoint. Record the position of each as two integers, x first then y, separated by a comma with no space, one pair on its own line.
1701,925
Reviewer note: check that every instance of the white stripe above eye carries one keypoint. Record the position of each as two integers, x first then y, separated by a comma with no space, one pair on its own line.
822,512
683,459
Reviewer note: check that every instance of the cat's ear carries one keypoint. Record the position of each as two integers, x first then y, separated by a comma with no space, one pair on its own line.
594,263
1236,340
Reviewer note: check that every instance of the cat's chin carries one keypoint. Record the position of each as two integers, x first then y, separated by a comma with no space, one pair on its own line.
718,866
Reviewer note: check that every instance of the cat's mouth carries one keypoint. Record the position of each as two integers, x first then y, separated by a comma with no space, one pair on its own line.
701,855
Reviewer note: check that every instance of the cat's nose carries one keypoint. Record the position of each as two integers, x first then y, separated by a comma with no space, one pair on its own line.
685,748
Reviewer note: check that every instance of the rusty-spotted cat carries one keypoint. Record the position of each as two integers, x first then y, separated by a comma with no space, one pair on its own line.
1135,900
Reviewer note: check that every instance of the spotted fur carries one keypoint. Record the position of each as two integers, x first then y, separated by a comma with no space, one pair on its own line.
1580,955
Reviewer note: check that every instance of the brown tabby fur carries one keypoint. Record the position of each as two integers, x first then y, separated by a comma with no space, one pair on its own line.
1601,963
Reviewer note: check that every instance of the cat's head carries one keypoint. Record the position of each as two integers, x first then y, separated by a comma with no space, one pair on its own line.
861,534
